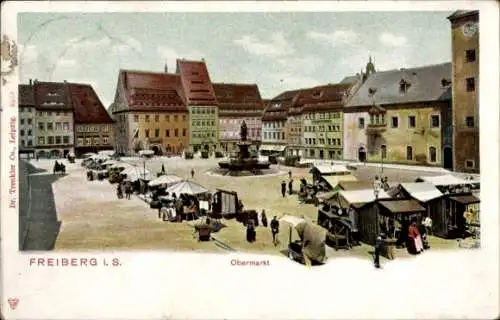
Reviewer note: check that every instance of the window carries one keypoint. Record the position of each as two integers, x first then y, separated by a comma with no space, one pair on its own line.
157,133
41,140
79,141
394,122
50,140
30,121
435,121
146,133
282,136
471,84
147,118
176,118
22,121
167,133
470,55
41,126
383,151
30,133
96,140
105,140
411,122
338,141
57,113
23,143
58,139
88,141
66,126
184,118
409,153
136,118
184,132
176,132
432,154
50,126
49,113
469,122
469,164
21,133
66,139
361,123
265,135
157,118
58,126
30,142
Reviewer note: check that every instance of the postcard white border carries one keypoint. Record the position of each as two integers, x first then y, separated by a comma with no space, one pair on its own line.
176,285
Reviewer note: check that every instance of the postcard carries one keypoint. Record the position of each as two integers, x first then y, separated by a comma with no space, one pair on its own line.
249,160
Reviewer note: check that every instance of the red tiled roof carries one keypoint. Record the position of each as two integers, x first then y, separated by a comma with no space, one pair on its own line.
152,91
196,83
87,106
52,95
238,96
323,98
26,95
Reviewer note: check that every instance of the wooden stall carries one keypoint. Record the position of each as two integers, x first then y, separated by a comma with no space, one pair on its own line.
338,228
225,204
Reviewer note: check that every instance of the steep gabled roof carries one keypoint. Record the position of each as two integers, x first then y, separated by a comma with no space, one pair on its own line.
462,14
152,91
324,98
423,84
26,95
87,106
196,83
52,95
231,96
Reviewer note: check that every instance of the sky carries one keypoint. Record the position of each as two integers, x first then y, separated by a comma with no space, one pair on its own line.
278,51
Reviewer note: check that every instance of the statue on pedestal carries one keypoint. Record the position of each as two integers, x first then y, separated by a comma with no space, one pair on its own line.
243,131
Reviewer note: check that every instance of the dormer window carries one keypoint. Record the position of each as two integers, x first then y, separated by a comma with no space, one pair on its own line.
372,91
404,86
317,94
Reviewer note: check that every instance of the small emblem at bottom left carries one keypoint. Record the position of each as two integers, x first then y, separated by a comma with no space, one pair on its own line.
13,302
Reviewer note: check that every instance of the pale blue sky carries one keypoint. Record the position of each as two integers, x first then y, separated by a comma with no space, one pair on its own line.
303,49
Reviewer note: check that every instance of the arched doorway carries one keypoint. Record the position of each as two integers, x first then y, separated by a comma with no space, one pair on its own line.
447,158
362,154
206,147
55,154
42,154
156,150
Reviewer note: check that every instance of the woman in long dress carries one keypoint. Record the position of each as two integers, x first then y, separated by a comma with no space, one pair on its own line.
415,238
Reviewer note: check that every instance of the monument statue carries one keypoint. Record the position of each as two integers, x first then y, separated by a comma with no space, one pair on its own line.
243,131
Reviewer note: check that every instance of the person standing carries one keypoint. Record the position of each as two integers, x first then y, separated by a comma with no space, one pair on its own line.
290,174
275,229
264,218
290,186
283,188
192,173
378,249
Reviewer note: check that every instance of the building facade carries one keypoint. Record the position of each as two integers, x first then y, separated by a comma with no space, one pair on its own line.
150,113
238,103
27,112
323,122
93,124
465,90
198,92
397,116
274,123
294,131
54,129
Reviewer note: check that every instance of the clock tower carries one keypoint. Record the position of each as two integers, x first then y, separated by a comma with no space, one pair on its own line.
465,91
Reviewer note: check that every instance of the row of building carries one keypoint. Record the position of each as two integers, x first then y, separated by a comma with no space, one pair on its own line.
427,115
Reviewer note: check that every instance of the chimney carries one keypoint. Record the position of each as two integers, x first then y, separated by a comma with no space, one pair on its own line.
166,68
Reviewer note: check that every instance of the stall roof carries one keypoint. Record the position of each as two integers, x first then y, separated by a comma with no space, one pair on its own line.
466,199
271,147
188,187
355,185
293,220
402,206
362,196
422,191
329,168
168,179
333,181
444,180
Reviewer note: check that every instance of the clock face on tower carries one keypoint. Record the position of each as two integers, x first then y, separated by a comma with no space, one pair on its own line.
469,29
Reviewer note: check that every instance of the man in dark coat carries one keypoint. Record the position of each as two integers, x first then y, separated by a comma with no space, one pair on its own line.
290,174
275,229
283,188
290,186
192,173
378,249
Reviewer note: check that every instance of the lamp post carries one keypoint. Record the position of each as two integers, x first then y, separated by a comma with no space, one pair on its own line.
376,191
